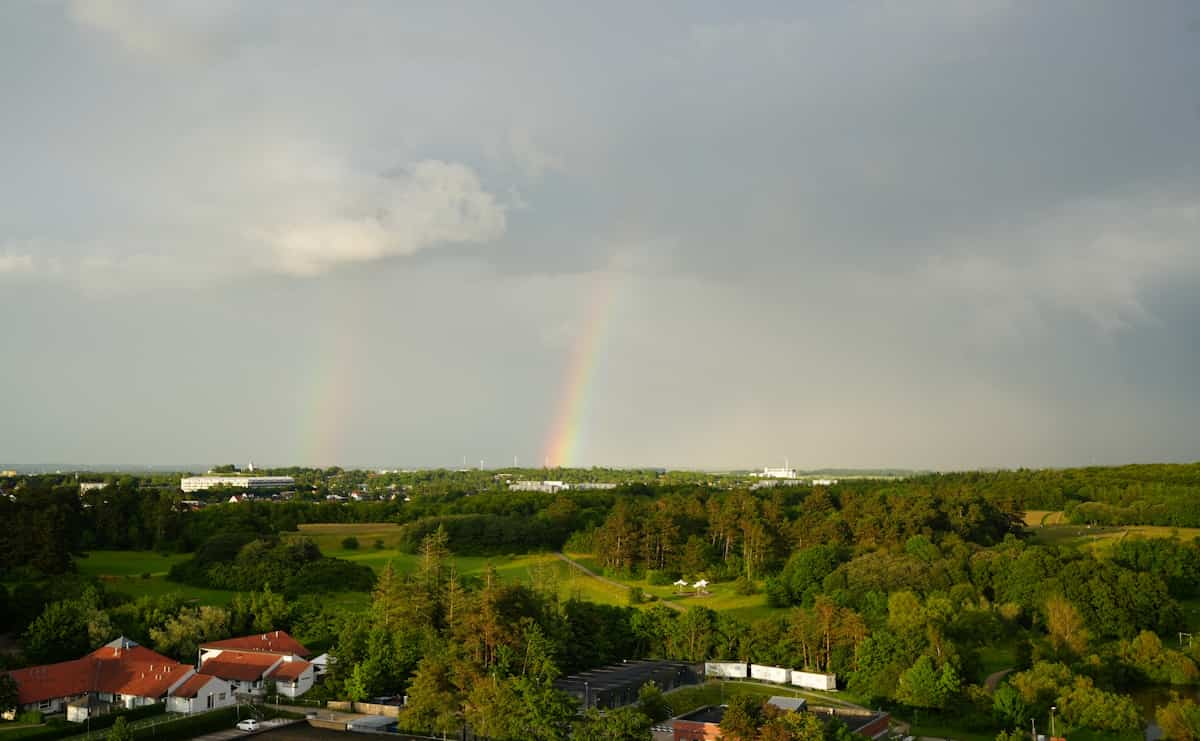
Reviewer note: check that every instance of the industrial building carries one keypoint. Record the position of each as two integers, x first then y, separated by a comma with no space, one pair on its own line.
202,483
617,685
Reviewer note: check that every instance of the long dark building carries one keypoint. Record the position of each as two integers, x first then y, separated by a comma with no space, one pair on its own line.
616,685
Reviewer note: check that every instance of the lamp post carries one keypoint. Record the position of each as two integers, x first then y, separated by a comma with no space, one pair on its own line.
1052,733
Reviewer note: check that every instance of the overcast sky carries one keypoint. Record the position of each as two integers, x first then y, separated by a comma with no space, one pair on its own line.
894,233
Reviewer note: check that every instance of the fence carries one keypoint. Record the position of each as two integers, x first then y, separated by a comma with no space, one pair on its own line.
366,708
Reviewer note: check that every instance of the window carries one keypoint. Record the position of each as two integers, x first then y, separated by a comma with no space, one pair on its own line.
45,704
222,696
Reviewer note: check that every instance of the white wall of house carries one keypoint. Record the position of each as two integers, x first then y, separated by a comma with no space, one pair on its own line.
302,684
215,694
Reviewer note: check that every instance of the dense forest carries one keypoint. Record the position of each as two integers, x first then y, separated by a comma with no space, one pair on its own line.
904,588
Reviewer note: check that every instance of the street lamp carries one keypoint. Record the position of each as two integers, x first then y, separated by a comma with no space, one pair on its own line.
1052,733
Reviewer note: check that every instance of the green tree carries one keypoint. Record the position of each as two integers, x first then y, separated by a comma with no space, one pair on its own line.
621,724
58,634
1179,720
652,703
182,635
742,718
923,686
120,731
1009,708
350,543
434,700
9,693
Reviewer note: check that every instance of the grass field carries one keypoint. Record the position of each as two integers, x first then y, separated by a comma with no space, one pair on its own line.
1100,539
1041,517
721,597
125,572
543,568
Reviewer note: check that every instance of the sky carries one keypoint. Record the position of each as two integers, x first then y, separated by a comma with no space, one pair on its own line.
890,233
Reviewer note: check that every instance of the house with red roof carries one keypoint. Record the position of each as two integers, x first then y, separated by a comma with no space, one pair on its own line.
200,693
248,662
121,673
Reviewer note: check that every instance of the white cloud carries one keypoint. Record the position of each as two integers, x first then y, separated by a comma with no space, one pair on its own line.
160,28
12,263
432,203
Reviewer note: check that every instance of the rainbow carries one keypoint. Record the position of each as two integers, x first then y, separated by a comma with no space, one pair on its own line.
570,421
326,399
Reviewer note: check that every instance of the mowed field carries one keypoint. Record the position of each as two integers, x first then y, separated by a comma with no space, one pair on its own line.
143,574
1101,538
720,597
542,568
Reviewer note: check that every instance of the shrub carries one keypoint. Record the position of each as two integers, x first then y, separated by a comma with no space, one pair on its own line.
745,586
379,544
350,543
661,578
636,596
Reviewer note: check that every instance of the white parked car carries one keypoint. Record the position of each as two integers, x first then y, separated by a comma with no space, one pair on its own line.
248,725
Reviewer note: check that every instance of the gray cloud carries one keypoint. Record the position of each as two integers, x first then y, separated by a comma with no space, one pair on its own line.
884,233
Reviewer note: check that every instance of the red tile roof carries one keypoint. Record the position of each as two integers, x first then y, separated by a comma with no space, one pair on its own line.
277,642
134,671
194,684
290,670
244,666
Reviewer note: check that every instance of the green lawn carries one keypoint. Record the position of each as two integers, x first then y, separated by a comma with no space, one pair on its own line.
1100,539
545,568
721,597
996,657
121,571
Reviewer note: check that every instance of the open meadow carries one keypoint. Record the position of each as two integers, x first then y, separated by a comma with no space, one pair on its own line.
144,574
1100,539
720,597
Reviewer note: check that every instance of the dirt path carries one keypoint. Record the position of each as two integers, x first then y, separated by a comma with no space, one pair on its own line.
610,582
993,680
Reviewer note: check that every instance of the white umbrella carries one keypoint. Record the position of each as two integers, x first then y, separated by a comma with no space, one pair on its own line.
700,584
681,583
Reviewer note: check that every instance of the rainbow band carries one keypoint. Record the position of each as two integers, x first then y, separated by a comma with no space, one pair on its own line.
564,446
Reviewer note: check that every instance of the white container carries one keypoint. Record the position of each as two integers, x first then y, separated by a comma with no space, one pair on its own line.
814,680
775,674
725,669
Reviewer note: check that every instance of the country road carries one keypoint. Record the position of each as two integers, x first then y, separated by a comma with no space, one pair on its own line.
610,582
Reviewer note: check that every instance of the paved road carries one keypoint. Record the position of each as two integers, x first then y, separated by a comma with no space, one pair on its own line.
610,582
993,680
266,725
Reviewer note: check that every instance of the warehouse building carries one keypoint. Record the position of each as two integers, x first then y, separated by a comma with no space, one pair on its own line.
617,685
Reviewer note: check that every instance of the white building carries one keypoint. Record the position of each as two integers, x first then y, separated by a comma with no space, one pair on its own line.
86,486
777,473
200,693
824,482
202,483
549,487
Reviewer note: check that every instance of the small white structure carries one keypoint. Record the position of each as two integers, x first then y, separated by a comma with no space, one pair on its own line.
681,585
701,586
86,486
200,693
814,680
824,482
776,674
725,669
